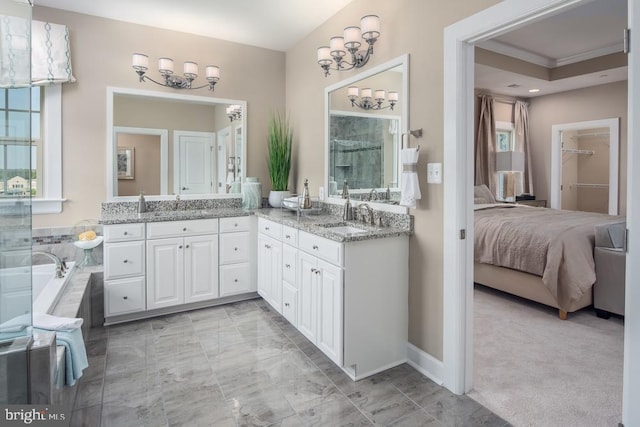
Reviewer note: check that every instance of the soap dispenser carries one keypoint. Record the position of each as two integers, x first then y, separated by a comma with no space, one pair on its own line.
305,203
142,204
345,190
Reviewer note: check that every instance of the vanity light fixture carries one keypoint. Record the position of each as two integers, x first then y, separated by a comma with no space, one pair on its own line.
234,112
140,63
367,102
369,30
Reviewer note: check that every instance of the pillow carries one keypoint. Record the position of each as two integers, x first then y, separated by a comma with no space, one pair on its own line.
482,195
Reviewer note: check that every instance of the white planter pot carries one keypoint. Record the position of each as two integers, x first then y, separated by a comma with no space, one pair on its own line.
276,197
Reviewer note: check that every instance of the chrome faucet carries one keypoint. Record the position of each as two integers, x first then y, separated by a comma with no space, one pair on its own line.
373,195
177,205
369,213
61,266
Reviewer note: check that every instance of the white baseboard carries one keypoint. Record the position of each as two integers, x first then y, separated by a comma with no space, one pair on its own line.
426,364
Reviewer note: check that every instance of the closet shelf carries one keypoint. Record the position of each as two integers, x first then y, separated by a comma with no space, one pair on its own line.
583,185
574,151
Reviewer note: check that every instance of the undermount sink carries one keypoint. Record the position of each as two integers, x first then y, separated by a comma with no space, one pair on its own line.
347,229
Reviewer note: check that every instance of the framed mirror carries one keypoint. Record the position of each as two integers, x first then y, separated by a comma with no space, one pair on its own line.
365,118
165,144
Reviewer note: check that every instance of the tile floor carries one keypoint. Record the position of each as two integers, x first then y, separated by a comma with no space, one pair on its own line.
244,365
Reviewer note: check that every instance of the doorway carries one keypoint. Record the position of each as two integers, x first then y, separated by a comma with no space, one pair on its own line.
193,158
458,215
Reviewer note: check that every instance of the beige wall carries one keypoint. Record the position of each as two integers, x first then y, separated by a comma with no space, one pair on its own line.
146,170
101,56
594,103
407,26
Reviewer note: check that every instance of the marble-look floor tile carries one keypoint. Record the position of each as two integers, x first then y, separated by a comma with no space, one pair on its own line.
453,410
89,393
170,321
213,413
89,416
208,314
258,327
383,404
96,348
121,356
137,327
418,418
307,391
260,408
127,387
95,370
191,373
129,414
98,333
244,380
203,326
285,366
335,412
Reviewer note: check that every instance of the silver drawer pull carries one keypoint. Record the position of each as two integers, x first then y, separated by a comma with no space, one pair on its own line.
235,280
126,232
235,225
286,304
288,265
235,249
180,247
184,229
125,261
315,247
317,271
313,270
266,229
267,246
125,297
187,246
287,236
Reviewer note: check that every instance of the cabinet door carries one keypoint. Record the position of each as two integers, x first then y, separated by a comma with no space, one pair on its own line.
275,275
200,268
165,272
234,247
264,267
123,260
236,279
289,263
290,303
330,324
307,289
123,296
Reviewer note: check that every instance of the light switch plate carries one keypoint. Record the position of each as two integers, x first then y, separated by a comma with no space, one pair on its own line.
434,173
321,193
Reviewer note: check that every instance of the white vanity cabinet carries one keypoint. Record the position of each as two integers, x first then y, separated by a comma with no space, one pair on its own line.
124,269
350,299
237,248
182,262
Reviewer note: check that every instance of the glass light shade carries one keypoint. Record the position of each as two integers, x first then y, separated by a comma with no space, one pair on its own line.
336,44
324,55
393,96
353,91
190,69
212,72
370,27
380,94
165,65
229,110
366,93
140,61
352,37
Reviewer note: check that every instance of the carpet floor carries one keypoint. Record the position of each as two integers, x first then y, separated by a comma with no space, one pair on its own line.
532,369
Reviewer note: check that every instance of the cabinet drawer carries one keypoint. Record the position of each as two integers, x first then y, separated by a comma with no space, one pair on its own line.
322,248
289,262
239,223
234,247
157,230
124,296
270,228
235,279
290,303
290,235
123,232
123,260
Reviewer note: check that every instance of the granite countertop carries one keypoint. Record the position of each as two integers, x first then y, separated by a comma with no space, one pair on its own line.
159,216
321,225
318,224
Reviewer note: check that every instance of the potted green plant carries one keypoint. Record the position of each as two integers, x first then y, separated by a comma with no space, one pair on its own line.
280,141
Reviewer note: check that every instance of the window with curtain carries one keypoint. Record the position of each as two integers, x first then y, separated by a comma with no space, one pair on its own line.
506,141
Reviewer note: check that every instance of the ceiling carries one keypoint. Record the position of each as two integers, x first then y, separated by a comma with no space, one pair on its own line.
581,33
272,24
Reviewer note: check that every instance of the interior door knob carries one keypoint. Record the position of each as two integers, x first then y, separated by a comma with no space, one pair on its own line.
184,188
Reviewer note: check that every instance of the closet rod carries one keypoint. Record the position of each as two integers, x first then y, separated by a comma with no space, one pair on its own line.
592,185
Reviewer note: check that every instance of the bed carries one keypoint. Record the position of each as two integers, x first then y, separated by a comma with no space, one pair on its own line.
544,255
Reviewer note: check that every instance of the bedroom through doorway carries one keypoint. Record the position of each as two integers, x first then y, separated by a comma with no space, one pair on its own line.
530,367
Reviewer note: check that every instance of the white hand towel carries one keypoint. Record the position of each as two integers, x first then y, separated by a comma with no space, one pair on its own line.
409,184
55,323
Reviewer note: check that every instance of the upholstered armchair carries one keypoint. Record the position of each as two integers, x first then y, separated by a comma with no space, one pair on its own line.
609,254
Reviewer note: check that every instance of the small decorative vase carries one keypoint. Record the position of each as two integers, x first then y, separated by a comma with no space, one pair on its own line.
276,197
251,193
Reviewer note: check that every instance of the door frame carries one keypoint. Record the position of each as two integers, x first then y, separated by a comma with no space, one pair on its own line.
555,195
459,40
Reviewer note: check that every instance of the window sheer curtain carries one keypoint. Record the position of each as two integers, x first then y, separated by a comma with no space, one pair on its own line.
521,113
485,147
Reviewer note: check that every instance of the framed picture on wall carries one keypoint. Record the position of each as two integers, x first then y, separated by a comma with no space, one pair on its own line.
126,162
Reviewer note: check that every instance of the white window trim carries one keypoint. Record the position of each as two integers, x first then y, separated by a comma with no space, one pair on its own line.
51,200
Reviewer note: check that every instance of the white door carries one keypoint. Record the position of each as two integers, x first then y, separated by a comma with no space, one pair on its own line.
330,324
307,290
165,272
200,268
193,162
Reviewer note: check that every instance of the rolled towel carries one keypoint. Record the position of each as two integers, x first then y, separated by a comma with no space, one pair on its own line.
75,354
55,323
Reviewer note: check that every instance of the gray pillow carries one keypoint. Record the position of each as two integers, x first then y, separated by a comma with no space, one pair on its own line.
482,195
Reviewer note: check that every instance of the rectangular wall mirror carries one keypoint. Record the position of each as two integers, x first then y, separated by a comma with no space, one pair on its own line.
178,144
364,136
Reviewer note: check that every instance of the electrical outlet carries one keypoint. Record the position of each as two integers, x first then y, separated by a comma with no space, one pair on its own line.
434,173
321,193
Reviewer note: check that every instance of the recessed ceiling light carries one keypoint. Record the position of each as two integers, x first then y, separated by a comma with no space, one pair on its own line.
534,90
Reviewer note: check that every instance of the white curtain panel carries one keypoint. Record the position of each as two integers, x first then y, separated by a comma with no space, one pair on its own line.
521,113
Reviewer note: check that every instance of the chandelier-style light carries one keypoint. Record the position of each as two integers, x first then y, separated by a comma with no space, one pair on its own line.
140,63
234,112
369,30
369,102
